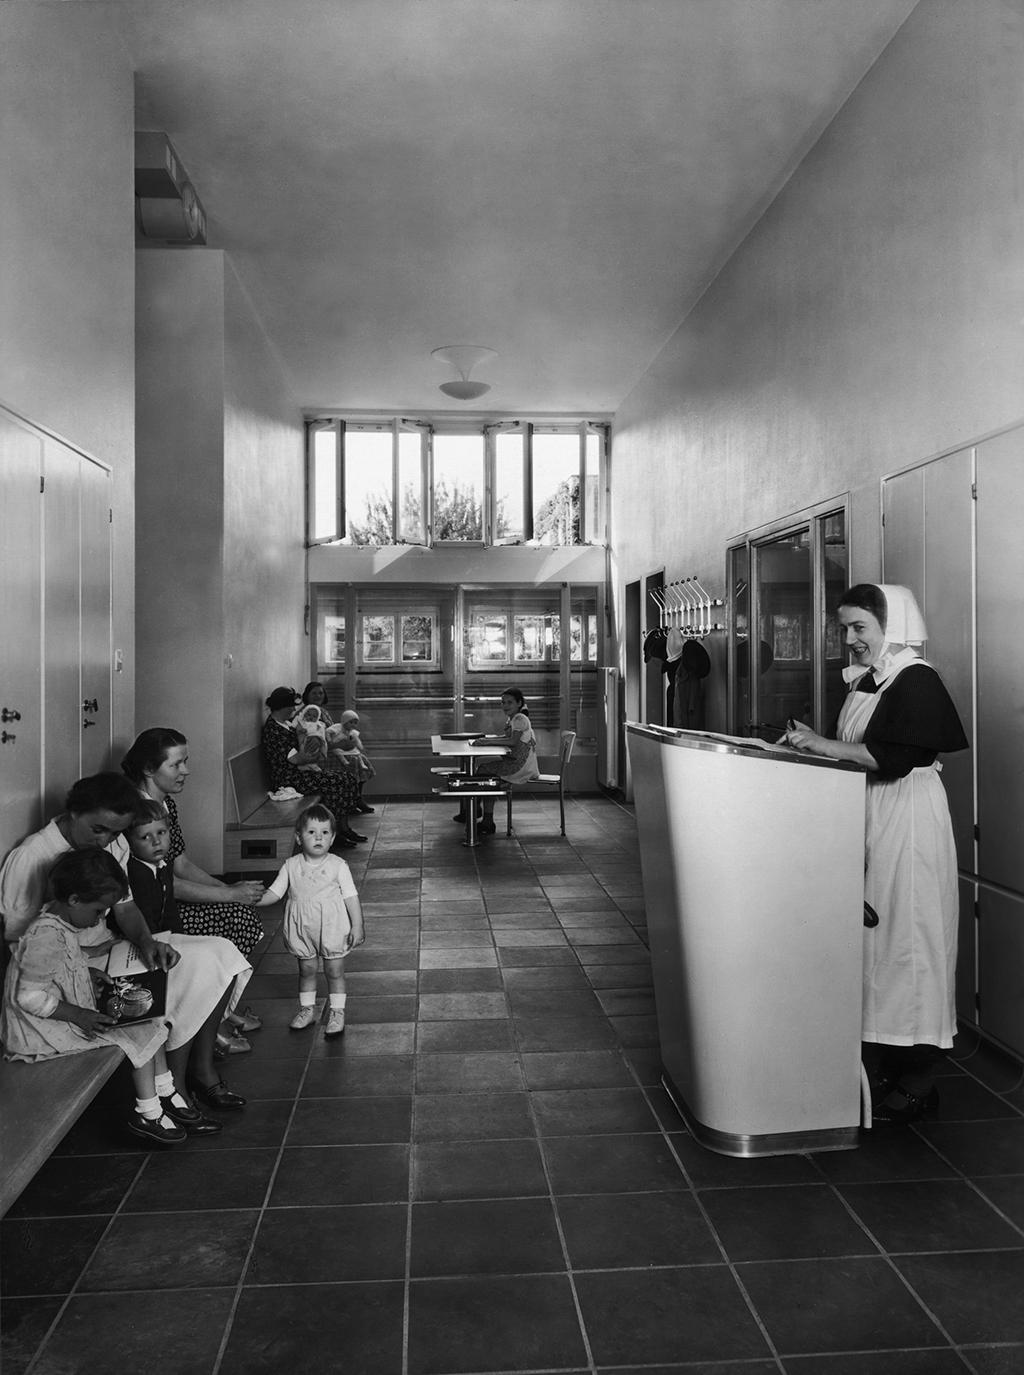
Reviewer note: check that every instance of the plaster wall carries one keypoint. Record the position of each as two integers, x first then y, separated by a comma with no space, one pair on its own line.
264,524
873,317
509,564
180,521
67,259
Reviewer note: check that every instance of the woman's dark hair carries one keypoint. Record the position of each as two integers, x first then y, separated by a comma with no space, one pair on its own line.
280,698
150,750
310,687
87,874
103,792
514,692
869,598
316,812
149,809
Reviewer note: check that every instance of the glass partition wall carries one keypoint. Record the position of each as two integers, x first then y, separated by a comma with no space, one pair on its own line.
416,660
786,580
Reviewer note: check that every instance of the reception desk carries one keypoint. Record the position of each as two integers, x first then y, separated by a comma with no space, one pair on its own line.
753,874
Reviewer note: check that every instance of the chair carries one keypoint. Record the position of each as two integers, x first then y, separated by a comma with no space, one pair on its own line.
557,780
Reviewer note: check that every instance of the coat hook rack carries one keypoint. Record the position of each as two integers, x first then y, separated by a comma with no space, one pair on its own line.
687,606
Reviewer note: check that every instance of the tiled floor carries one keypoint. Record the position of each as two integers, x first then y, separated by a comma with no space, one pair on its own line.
484,1175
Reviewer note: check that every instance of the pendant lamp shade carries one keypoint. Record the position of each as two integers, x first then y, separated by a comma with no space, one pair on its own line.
464,358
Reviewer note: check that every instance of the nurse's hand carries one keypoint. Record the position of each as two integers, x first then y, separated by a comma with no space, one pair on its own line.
800,736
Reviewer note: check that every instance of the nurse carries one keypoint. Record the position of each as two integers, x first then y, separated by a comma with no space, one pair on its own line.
897,718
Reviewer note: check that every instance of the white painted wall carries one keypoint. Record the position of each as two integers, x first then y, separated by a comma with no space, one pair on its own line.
873,317
67,259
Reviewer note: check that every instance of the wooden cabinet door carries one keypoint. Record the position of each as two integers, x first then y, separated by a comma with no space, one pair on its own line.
20,631
96,718
61,622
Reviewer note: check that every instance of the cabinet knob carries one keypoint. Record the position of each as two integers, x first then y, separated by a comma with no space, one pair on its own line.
91,704
87,724
9,714
6,738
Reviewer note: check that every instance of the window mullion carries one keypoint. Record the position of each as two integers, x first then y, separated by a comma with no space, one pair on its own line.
528,485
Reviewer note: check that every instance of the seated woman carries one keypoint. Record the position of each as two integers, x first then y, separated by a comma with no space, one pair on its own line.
157,764
201,969
314,694
279,742
520,766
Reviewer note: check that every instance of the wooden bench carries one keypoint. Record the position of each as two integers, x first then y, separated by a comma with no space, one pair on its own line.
262,834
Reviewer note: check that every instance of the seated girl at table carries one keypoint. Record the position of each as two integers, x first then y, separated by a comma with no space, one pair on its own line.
49,1005
322,917
520,764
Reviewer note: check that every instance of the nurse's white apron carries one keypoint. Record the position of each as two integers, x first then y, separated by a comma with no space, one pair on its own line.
910,881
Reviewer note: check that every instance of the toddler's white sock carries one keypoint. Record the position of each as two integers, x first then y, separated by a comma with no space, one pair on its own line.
307,999
149,1108
337,1001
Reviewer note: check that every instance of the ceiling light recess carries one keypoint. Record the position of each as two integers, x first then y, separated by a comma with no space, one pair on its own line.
464,358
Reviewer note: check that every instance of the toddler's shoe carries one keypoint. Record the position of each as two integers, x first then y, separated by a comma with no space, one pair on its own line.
335,1022
305,1017
159,1129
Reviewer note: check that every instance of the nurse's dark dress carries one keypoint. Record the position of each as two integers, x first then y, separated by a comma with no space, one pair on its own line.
338,791
905,717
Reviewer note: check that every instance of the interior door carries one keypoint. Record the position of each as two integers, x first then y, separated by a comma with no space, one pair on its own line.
20,632
62,699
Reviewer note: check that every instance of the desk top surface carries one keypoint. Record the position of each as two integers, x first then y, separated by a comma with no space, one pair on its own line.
465,749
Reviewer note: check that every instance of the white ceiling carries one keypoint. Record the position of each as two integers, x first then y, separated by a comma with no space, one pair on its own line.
555,179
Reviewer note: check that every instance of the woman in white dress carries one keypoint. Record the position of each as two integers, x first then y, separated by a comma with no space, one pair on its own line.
897,718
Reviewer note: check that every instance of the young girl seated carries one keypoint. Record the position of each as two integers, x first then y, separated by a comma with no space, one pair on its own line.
345,753
323,918
49,1005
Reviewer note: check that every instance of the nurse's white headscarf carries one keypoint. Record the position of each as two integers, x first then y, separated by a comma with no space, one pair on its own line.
904,624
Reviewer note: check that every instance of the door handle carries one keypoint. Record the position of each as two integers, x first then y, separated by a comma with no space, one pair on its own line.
87,724
9,714
90,704
6,738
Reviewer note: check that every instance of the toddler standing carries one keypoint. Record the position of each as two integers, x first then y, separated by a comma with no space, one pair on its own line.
323,918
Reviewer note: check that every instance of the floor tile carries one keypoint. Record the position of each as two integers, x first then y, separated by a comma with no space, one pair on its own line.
553,1002
477,1169
472,1117
627,1231
933,1215
642,1316
171,1251
305,1327
67,1186
468,1073
359,1076
479,958
46,1255
470,1324
583,1069
325,1245
184,1181
784,1223
611,1164
448,1007
569,976
467,1035
173,1339
257,1076
341,1174
843,1305
583,1112
23,1325
978,1296
979,1148
377,1039
1006,1192
459,980
351,1121
930,1361
454,1238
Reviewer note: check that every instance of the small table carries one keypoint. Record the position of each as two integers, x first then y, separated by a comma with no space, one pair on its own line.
466,753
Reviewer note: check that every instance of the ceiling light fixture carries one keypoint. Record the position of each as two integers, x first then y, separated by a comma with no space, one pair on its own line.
464,358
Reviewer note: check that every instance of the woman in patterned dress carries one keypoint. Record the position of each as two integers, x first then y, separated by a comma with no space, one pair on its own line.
157,764
279,742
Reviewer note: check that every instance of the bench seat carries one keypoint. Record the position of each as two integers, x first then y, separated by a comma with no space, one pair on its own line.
41,1101
262,834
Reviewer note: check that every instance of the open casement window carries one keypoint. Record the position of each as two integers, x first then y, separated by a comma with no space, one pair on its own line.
457,487
366,482
786,580
325,495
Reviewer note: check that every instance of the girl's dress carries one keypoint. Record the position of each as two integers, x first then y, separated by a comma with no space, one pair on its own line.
49,958
235,921
316,920
904,715
338,791
521,765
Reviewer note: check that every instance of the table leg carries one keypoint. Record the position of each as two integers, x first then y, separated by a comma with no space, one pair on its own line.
471,840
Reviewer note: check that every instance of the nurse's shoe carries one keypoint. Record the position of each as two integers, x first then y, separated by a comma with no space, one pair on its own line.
900,1114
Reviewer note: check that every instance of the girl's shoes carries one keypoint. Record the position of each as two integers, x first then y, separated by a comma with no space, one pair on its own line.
217,1095
364,808
244,1019
335,1022
306,1016
159,1129
235,1044
486,827
912,1109
191,1119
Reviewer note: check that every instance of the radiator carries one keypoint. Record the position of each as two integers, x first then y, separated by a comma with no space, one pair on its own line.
608,730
